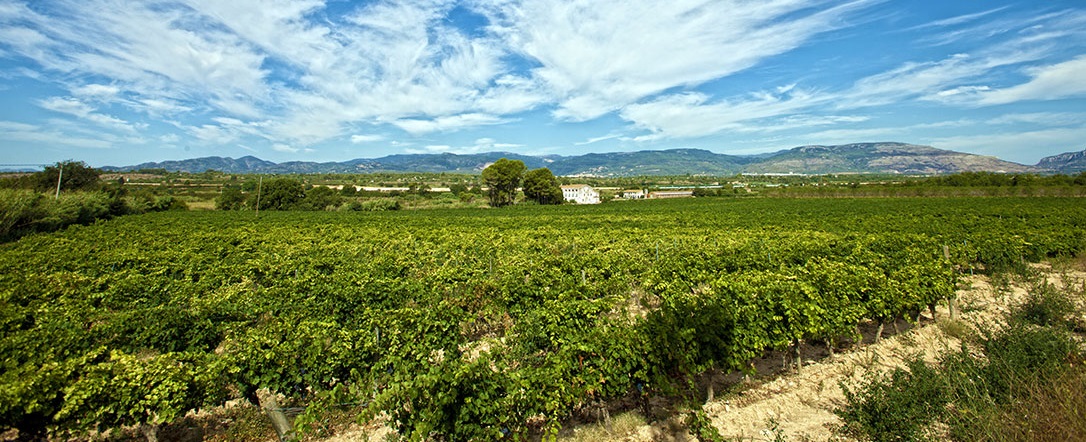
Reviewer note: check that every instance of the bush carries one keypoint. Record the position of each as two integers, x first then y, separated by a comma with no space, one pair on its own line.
18,208
901,406
1046,307
378,205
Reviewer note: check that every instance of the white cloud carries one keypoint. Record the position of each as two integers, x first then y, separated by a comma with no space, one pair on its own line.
360,139
597,139
155,50
158,107
480,145
935,81
453,122
693,115
100,92
279,147
960,19
961,90
1052,82
598,56
29,133
1040,118
74,107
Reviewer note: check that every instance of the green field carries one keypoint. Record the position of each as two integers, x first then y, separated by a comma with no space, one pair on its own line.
471,323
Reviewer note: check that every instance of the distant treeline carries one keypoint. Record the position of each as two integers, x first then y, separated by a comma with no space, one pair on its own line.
69,193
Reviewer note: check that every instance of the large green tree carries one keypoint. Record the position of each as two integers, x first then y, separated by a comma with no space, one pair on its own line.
77,175
231,198
541,186
281,194
502,178
321,198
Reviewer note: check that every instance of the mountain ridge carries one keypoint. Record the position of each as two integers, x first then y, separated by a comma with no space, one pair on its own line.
880,157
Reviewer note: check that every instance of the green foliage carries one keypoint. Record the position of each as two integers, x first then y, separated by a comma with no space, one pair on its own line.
374,205
900,406
1047,307
702,427
74,175
321,198
541,186
463,324
281,194
26,211
126,389
231,199
503,177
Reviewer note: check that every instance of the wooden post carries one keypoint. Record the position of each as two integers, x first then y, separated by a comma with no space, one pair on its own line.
797,355
279,420
259,185
60,167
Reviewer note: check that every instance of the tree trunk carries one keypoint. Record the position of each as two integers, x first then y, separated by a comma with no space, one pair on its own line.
878,332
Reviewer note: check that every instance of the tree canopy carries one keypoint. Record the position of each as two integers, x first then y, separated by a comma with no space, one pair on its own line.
503,177
541,186
77,176
282,194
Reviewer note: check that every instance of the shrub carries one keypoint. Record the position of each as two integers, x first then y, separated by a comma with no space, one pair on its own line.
900,406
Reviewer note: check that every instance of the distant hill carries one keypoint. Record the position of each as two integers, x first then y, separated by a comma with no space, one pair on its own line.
897,158
649,162
1068,162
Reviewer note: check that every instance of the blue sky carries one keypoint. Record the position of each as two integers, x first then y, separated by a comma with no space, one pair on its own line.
117,82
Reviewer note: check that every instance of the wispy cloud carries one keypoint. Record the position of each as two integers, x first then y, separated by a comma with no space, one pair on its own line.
31,133
959,19
1052,82
597,139
480,145
601,56
950,80
79,109
452,122
361,139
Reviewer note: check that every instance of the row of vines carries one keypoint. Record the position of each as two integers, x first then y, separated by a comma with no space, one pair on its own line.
470,324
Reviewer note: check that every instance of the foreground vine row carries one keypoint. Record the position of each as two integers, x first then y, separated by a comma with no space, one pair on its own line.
470,324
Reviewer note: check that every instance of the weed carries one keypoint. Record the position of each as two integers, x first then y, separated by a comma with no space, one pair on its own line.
1046,306
954,328
899,406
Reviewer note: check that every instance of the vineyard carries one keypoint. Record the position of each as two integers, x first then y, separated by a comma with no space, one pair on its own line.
472,324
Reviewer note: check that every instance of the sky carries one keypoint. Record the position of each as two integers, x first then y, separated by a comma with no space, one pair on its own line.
121,82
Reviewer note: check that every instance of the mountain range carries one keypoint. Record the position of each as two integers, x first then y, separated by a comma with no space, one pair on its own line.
888,157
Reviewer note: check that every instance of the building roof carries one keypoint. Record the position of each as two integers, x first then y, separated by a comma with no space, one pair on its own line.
575,186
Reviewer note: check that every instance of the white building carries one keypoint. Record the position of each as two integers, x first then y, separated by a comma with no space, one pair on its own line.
580,194
633,194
